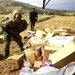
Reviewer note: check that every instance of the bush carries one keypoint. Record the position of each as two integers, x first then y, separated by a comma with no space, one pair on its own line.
74,14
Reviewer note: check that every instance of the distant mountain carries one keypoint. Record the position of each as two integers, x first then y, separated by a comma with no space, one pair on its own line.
8,6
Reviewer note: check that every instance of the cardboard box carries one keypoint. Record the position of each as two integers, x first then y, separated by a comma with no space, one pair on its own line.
48,36
37,42
66,28
47,30
14,62
49,49
63,56
30,54
58,31
36,65
64,34
40,33
61,40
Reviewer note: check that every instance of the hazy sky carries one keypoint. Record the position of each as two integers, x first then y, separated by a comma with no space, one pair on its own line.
53,4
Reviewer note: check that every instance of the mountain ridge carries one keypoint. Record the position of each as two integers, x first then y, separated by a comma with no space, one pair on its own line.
7,5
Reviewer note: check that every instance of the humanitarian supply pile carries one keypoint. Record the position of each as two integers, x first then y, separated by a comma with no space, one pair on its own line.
47,52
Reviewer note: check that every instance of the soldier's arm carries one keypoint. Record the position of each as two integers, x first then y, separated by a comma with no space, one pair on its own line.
24,25
4,24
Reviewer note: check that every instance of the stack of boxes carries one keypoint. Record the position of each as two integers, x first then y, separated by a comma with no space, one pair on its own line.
56,52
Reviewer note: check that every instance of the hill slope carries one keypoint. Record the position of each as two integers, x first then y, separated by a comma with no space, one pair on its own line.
7,5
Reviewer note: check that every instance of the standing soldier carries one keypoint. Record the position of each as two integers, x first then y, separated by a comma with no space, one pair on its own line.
33,16
12,29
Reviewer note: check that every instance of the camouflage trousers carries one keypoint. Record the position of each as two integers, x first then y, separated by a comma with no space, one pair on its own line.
7,40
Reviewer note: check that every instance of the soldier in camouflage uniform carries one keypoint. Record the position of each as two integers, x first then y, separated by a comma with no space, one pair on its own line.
12,29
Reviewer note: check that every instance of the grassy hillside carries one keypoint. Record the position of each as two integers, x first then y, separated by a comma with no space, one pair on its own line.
8,6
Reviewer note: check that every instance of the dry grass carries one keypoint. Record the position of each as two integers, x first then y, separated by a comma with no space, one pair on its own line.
57,22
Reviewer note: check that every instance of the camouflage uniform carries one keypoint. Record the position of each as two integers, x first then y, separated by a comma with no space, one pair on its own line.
11,30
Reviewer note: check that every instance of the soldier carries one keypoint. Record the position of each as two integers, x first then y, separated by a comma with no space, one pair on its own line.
33,16
12,29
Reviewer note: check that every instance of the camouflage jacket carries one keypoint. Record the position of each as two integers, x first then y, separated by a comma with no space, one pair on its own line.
13,27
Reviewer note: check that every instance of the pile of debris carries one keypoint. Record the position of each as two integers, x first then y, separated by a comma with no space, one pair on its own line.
44,48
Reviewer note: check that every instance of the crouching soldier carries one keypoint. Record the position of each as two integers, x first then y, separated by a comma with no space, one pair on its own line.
12,29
